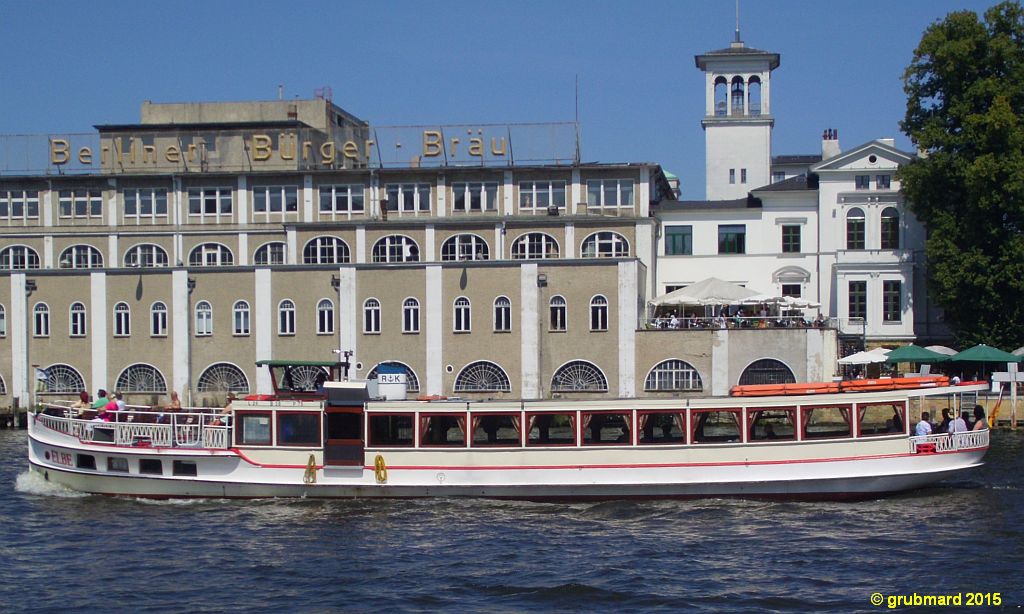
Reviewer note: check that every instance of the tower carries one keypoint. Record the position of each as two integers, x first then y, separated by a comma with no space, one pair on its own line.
737,119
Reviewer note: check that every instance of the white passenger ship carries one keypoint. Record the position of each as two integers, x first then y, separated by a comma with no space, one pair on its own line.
806,441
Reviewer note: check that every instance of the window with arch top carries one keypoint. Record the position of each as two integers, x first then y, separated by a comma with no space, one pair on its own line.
396,248
286,317
204,319
210,254
411,316
767,371
605,244
579,376
80,257
599,313
18,257
464,247
890,228
271,253
855,228
535,246
673,374
371,316
145,255
325,317
76,324
122,320
325,250
462,316
557,309
482,376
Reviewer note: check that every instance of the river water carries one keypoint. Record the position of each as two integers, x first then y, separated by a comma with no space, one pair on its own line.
62,551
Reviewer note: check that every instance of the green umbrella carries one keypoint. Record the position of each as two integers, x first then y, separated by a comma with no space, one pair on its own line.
916,354
984,353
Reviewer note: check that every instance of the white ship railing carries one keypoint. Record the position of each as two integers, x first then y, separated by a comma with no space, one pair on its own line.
944,442
133,428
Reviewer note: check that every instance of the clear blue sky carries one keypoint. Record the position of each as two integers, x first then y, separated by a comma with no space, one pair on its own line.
69,65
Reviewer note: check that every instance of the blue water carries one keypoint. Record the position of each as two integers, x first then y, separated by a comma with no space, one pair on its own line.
61,551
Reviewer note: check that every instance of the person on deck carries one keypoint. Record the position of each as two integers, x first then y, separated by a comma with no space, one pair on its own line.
101,399
924,427
946,420
959,425
980,423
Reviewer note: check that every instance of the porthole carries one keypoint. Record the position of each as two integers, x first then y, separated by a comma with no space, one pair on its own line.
359,366
872,158
449,369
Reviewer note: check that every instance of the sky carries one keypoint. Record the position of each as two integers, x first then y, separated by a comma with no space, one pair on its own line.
69,65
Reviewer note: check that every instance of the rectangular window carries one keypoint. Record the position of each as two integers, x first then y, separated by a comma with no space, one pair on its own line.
475,196
892,308
743,175
791,290
778,176
535,195
732,176
551,429
858,299
679,240
771,424
272,199
881,419
496,430
341,200
607,429
85,461
391,430
661,427
298,429
144,204
117,464
609,193
151,466
19,205
81,204
882,182
826,422
790,239
442,430
716,426
209,202
863,182
408,197
186,468
732,239
253,429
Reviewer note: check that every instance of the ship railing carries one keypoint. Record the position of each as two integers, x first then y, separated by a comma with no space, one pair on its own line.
946,442
192,428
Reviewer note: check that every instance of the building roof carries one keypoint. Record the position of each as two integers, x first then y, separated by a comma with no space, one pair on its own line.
286,123
793,184
737,50
709,205
797,159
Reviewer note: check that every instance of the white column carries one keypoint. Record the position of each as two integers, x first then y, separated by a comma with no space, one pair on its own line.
98,330
643,193
507,202
112,259
428,254
292,239
575,192
307,199
18,326
48,252
627,321
498,252
243,249
263,325
720,362
242,200
644,250
360,255
530,324
180,341
373,209
47,205
111,203
442,202
178,203
348,312
434,319
569,249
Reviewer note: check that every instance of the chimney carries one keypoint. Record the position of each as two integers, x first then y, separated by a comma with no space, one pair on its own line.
829,143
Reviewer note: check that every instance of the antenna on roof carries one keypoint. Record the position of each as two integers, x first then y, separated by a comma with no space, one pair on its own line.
738,22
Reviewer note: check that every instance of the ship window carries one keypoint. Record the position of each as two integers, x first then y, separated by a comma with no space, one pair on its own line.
442,430
391,430
117,463
604,428
880,419
716,426
496,430
771,424
185,468
253,429
151,466
298,429
345,425
824,422
551,429
85,461
661,427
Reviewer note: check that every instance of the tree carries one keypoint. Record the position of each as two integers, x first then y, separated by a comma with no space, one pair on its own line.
965,89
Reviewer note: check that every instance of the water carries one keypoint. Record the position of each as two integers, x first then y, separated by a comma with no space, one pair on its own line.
62,551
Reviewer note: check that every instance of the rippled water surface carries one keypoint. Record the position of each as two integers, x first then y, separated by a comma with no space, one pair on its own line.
73,553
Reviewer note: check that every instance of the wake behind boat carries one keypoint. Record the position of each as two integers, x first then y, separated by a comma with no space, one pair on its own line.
318,438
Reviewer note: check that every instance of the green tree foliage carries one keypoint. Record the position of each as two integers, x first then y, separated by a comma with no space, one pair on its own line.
965,93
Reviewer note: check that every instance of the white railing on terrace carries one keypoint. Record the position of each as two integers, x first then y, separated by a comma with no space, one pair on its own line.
950,442
202,428
730,322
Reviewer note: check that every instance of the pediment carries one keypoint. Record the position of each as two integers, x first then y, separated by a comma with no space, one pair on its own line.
869,156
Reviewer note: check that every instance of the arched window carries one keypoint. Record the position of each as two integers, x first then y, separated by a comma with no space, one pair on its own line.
721,96
767,371
18,257
303,378
464,247
141,378
63,379
286,317
579,376
3,386
502,314
204,319
411,316
396,248
122,320
855,228
462,315
557,308
80,257
673,374
158,319
412,383
534,246
240,317
41,320
325,317
76,323
325,250
482,376
737,96
145,255
598,313
754,96
3,321
605,245
223,377
890,228
211,254
371,316
271,253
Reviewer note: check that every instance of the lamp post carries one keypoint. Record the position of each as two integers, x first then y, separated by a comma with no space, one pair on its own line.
30,287
191,285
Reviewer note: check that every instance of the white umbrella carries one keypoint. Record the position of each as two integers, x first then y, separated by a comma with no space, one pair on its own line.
941,349
863,358
792,302
711,291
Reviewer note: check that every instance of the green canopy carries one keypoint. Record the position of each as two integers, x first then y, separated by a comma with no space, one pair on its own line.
984,353
914,353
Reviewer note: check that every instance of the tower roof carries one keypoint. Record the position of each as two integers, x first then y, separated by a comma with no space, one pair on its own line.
737,51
